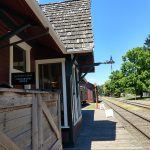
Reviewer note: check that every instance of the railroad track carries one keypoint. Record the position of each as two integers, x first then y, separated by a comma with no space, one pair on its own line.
140,123
138,104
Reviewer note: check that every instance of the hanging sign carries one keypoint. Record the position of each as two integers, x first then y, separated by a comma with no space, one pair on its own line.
23,78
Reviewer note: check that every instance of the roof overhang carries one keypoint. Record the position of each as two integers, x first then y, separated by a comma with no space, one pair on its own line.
38,12
28,11
86,60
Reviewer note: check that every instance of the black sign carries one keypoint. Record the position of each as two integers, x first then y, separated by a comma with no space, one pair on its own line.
23,78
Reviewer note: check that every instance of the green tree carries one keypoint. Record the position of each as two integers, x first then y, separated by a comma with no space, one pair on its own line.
136,70
100,90
116,83
147,43
107,88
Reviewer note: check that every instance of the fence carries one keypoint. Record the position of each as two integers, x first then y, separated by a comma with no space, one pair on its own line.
29,120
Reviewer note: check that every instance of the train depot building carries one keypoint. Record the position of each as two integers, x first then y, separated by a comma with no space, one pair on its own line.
45,51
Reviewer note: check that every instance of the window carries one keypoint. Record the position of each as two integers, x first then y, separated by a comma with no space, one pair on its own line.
19,58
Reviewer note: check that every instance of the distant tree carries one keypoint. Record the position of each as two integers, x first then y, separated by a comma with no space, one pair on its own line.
136,70
113,87
100,89
147,43
107,88
116,83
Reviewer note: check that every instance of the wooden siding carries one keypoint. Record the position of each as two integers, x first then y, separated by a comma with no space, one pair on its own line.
30,119
4,65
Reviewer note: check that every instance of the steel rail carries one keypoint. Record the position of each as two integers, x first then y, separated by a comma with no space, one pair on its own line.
148,137
138,104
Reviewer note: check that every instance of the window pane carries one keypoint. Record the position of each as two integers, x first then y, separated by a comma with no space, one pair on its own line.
19,58
50,76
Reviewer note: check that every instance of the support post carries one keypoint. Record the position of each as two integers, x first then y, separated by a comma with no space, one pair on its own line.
40,122
95,88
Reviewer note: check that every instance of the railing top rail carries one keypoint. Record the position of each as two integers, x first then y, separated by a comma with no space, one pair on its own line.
27,91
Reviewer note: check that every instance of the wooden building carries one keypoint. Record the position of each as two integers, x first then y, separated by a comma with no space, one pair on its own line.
71,20
54,42
29,119
87,92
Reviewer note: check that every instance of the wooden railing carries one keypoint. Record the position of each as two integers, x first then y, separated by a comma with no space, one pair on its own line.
29,120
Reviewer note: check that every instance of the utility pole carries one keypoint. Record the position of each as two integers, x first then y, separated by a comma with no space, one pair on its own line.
111,61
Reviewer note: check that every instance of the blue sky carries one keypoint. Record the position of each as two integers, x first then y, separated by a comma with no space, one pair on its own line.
118,25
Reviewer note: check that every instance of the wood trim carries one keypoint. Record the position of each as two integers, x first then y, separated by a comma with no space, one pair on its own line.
34,123
62,61
38,12
57,145
40,122
23,45
27,49
54,60
64,94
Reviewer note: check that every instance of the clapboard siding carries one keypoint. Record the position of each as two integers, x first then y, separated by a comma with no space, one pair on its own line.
20,109
14,99
19,130
11,115
12,124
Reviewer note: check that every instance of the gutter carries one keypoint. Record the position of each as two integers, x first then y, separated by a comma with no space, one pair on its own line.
33,4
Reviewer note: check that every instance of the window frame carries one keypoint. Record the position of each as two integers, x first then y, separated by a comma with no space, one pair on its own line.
24,46
76,112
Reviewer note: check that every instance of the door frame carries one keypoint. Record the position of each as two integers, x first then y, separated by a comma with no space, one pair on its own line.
75,97
62,61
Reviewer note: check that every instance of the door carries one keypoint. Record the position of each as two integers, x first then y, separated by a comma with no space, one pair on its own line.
50,75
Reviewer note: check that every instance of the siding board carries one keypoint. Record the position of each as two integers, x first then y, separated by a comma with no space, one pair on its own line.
16,116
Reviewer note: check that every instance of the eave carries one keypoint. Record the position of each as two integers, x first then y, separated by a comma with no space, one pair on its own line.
28,12
38,12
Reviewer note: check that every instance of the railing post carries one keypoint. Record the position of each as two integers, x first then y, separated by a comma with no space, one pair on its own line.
34,123
40,122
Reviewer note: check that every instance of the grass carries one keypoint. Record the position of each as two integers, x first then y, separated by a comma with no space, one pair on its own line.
146,99
132,97
126,106
91,106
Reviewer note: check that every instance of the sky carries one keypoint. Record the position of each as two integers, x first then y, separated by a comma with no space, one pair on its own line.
118,26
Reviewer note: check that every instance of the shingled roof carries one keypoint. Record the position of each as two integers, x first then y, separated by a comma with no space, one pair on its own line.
71,20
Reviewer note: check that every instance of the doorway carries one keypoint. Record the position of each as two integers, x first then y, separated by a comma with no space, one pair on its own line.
50,76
